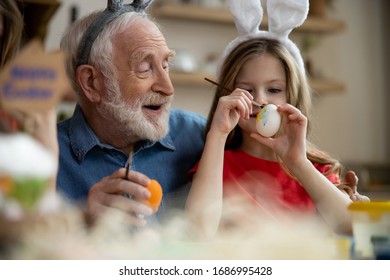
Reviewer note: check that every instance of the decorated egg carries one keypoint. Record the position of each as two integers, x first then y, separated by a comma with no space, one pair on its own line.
268,121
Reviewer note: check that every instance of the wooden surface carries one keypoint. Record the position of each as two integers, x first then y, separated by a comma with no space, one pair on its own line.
198,13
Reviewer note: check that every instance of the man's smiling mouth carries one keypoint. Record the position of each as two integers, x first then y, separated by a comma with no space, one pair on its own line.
153,107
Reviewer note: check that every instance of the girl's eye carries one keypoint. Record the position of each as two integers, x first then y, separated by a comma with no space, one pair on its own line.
274,90
249,90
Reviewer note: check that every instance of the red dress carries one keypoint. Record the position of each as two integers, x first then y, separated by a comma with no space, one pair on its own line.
265,183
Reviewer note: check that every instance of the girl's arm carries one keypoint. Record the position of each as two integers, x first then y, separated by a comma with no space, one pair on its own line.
204,202
290,146
330,202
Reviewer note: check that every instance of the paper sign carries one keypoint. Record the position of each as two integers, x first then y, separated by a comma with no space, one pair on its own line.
34,81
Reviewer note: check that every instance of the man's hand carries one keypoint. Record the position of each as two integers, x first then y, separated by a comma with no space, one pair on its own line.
111,195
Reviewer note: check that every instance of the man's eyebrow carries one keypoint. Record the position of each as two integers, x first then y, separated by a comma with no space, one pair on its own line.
171,54
140,56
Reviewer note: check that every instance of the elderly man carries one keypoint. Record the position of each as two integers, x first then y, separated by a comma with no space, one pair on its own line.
118,63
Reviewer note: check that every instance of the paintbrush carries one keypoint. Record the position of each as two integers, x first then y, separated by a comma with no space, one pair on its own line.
129,161
225,88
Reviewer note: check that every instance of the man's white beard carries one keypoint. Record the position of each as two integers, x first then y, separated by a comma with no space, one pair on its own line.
129,118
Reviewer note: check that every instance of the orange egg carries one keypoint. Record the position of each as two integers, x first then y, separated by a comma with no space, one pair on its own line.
156,194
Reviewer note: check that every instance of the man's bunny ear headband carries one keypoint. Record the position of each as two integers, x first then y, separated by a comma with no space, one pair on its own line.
114,9
283,17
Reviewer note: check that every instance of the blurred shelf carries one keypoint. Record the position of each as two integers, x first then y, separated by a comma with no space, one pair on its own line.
326,86
196,79
215,15
37,15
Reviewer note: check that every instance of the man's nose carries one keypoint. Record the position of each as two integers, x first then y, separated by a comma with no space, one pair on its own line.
163,83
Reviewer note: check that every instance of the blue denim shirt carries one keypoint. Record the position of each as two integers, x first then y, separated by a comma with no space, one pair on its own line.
84,160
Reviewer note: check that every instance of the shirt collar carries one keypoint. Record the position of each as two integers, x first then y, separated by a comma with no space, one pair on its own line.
83,139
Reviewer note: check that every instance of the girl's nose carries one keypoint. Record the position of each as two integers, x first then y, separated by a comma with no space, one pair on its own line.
259,97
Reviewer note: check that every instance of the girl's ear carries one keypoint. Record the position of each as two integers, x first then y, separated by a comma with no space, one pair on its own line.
91,82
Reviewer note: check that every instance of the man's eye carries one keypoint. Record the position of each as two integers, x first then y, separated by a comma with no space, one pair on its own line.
143,67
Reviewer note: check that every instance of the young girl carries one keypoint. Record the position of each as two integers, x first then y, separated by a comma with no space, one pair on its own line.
280,174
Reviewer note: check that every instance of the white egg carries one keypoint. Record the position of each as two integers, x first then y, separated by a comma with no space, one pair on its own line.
268,121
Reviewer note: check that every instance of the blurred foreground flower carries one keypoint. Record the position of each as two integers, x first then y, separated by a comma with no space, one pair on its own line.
26,168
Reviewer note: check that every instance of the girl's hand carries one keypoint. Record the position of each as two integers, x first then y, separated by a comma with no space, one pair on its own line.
350,187
229,110
290,143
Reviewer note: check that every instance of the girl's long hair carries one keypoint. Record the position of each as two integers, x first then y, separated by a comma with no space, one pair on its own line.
13,26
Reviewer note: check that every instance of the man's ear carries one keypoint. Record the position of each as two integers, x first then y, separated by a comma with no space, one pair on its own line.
91,82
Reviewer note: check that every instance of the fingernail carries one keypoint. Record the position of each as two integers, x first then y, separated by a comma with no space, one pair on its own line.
149,211
146,211
146,194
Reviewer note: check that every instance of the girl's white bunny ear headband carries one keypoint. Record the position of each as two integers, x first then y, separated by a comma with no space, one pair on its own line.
283,17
